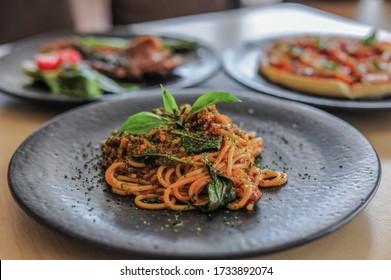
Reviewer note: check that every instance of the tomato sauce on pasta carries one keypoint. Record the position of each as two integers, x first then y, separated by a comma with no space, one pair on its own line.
167,168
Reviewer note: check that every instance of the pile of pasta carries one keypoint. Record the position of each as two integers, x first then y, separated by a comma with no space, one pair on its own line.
165,169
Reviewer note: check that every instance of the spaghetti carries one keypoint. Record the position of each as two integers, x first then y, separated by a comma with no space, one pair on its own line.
206,163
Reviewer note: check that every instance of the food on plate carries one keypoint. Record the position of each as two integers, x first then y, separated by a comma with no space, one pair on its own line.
187,157
332,66
90,66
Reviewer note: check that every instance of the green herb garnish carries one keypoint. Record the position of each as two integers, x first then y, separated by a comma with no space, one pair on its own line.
322,43
221,190
169,102
370,40
143,122
211,98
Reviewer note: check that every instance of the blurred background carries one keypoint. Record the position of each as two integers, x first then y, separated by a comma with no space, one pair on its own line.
23,18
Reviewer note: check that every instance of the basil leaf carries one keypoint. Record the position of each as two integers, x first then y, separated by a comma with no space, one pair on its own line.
211,98
79,80
198,142
169,102
143,122
370,40
221,190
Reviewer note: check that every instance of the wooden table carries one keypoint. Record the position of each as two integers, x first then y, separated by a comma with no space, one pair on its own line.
367,236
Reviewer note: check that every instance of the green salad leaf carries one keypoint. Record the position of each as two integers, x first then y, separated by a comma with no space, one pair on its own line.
179,45
110,86
30,69
80,80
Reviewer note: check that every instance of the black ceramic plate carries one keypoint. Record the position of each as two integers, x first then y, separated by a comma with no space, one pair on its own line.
200,64
241,63
333,173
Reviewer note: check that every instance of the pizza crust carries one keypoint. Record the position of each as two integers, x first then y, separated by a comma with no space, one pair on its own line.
327,87
371,90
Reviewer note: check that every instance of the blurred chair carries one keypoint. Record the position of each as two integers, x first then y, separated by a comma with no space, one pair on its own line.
23,18
132,11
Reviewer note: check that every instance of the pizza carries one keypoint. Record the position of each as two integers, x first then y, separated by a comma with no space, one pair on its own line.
331,66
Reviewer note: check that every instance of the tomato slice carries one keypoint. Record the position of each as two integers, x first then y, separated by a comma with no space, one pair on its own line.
52,60
70,56
47,61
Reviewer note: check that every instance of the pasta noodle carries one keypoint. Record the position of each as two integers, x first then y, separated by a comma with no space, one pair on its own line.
158,169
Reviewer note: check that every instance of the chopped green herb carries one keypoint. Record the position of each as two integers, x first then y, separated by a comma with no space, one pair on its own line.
370,40
297,51
332,65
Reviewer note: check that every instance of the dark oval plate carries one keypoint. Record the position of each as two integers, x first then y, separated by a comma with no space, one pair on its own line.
200,64
241,62
333,173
